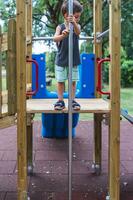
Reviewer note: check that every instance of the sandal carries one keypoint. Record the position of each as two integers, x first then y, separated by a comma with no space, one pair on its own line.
59,105
75,105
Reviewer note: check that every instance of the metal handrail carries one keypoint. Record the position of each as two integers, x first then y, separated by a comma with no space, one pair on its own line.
30,93
99,83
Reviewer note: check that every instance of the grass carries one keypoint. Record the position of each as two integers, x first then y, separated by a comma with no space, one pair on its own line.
127,99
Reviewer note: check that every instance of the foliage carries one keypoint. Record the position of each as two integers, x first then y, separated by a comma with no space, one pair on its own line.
127,73
50,60
86,47
46,16
126,70
127,27
7,11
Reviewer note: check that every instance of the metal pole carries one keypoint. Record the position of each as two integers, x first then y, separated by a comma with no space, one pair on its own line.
51,38
101,35
80,38
70,4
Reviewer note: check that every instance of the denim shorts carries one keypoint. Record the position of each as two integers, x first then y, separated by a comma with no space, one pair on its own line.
61,73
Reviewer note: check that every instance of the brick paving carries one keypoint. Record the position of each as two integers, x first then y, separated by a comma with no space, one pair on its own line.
50,180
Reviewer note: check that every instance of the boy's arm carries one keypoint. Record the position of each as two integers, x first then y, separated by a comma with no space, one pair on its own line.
58,37
76,27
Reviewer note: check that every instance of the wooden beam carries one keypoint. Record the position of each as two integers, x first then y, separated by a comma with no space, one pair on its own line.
11,69
87,106
29,41
21,33
4,43
97,48
29,81
115,38
30,143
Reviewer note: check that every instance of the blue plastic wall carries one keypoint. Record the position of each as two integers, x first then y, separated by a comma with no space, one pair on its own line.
56,125
86,83
85,87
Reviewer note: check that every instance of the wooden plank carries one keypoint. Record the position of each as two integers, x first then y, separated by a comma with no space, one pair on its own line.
97,28
29,44
29,81
21,30
97,48
115,38
4,43
30,143
87,106
11,69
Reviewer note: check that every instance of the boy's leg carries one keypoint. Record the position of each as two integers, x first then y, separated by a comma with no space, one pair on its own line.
73,89
60,90
75,77
60,73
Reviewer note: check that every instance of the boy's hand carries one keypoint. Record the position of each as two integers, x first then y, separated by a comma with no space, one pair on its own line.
65,32
71,19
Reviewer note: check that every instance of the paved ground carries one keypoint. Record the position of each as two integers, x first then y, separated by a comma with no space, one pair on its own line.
50,173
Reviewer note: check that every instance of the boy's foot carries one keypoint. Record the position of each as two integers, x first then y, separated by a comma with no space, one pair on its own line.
59,105
75,105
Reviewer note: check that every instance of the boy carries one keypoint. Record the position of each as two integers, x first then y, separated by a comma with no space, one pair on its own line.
61,62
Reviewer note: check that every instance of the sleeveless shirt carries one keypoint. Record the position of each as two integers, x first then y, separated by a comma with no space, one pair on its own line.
62,53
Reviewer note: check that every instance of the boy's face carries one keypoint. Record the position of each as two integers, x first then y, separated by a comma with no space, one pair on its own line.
76,16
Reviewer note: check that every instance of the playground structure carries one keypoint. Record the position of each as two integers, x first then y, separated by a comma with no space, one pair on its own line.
8,96
56,125
98,106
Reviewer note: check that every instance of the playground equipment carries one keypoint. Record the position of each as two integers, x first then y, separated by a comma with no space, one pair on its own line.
97,106
8,48
125,114
85,89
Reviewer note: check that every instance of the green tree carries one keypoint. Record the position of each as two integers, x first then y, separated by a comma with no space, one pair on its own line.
46,16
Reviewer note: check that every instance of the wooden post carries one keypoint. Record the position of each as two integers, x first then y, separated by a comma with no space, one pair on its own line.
115,38
30,144
29,80
97,15
21,32
0,74
11,67
29,41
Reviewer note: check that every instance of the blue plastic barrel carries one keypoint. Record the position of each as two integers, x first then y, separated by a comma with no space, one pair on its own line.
56,125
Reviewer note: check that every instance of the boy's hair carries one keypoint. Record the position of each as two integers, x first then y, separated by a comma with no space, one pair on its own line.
77,7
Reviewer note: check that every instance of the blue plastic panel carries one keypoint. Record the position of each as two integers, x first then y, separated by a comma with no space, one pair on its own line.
85,87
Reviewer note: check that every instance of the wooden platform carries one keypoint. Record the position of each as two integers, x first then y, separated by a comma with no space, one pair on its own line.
87,106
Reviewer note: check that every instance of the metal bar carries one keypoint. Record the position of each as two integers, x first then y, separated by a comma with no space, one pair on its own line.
70,4
101,35
125,114
51,38
80,38
29,93
99,82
